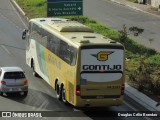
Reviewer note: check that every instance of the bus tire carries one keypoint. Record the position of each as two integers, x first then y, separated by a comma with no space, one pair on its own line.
33,69
63,95
55,87
58,91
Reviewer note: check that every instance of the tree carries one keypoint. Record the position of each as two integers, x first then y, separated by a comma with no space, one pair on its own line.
123,36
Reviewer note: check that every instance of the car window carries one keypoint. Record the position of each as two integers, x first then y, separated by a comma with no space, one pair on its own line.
14,75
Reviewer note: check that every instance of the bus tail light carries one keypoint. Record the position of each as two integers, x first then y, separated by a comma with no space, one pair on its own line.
78,91
122,89
3,82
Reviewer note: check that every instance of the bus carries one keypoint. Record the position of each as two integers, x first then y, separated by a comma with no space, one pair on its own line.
85,68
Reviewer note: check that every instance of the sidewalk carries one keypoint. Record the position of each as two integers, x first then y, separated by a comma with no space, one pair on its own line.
139,7
141,98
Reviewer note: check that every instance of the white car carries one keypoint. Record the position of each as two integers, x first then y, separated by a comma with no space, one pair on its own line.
12,79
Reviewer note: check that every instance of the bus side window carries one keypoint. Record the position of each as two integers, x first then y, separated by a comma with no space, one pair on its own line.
56,45
69,56
53,44
73,55
44,37
49,38
61,49
65,52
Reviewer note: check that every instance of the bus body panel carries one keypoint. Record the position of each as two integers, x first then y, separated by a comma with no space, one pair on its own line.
101,76
98,102
101,72
98,71
36,54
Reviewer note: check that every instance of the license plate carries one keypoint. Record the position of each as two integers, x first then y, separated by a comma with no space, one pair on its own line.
15,89
10,89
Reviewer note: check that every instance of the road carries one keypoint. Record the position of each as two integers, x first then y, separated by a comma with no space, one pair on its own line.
41,96
115,15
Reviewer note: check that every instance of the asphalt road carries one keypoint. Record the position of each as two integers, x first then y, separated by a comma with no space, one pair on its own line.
41,96
115,15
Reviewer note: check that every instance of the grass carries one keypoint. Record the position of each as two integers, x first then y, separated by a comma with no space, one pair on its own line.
34,8
155,59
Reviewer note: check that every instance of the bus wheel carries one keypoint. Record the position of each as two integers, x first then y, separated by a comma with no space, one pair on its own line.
58,91
63,95
55,87
33,68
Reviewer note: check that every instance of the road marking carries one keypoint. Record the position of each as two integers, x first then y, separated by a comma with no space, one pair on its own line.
33,108
11,22
74,109
133,108
19,16
147,118
5,49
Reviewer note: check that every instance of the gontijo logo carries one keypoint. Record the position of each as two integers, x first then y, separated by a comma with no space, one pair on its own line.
102,56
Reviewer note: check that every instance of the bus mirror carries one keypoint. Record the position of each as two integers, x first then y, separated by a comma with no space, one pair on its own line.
24,34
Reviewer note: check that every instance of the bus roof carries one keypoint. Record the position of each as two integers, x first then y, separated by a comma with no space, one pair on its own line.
72,31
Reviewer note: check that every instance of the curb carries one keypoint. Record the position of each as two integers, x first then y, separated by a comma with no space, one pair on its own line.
22,13
135,8
141,98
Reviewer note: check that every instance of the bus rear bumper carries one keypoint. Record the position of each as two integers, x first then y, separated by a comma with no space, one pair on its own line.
99,102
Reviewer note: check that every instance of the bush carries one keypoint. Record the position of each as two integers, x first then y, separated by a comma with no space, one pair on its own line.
81,19
34,8
156,85
142,76
154,60
137,48
146,77
130,55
